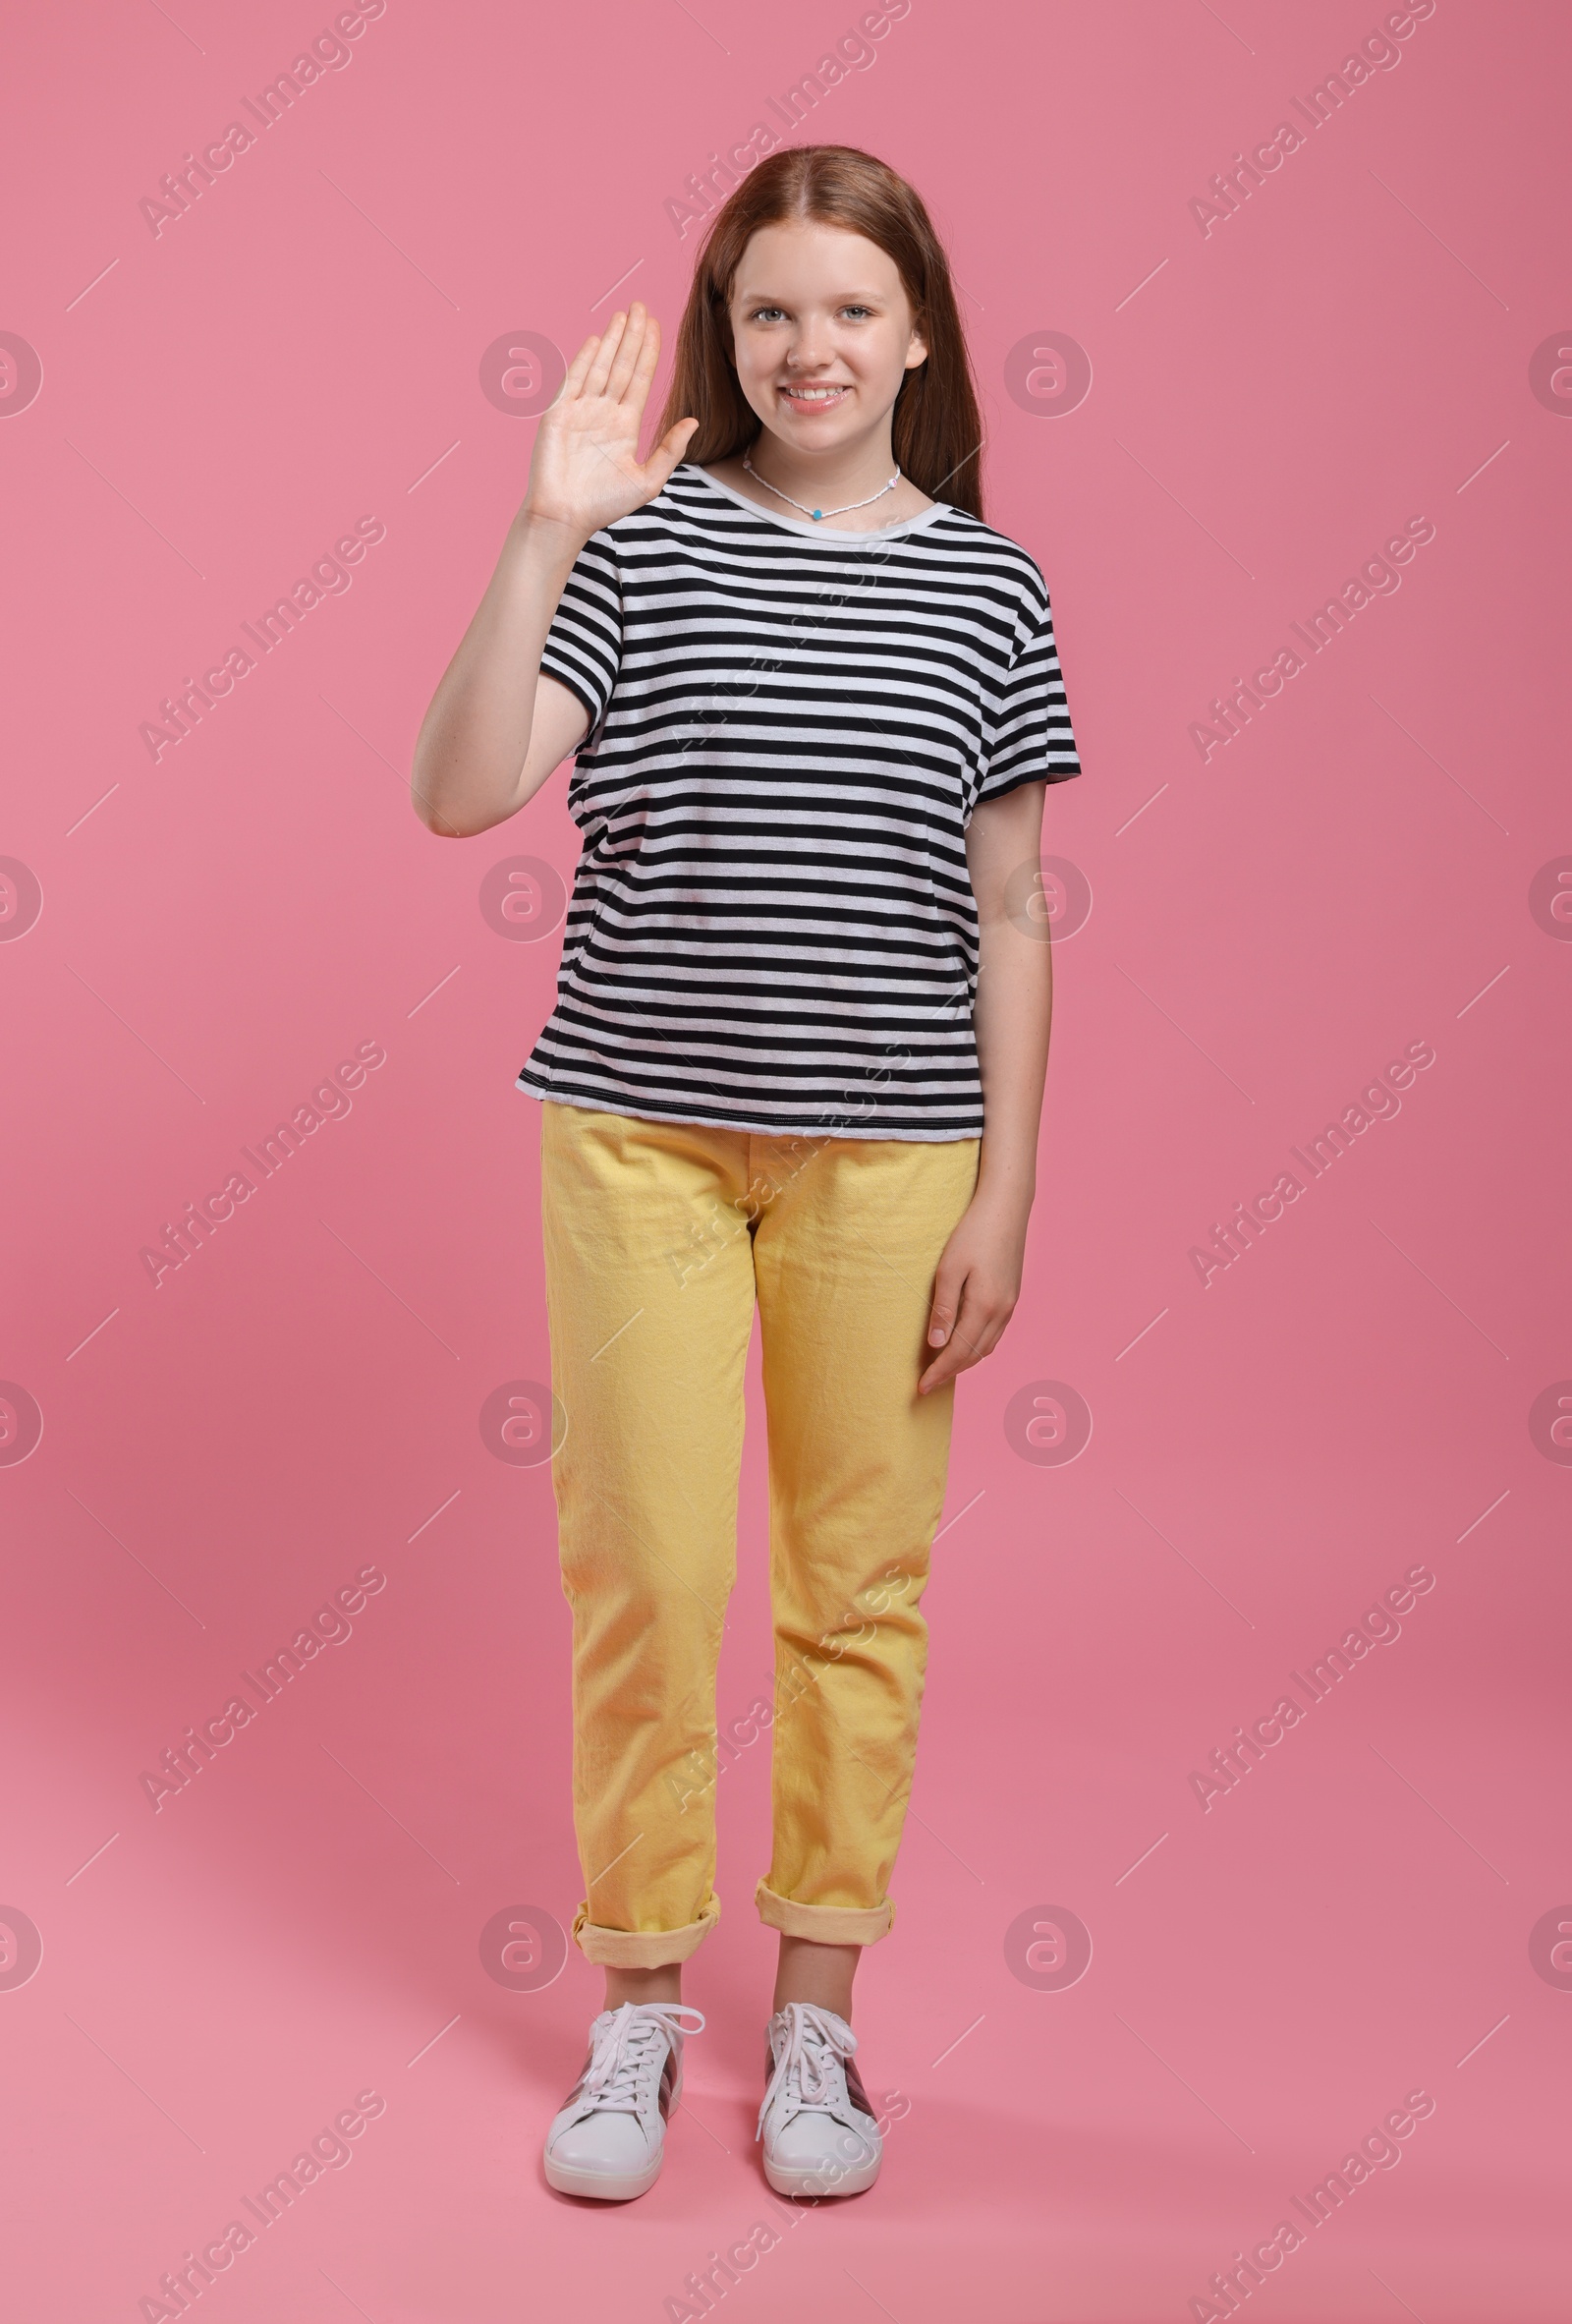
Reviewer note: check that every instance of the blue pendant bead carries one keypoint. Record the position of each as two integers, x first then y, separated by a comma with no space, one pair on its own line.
817,514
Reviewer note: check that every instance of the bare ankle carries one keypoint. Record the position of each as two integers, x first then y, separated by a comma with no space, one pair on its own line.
817,1973
644,1985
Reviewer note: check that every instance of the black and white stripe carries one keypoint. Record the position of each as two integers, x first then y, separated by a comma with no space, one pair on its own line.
772,927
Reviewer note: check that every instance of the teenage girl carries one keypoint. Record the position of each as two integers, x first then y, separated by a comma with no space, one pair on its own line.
797,1058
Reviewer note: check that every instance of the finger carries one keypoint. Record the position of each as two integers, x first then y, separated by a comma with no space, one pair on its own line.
975,1333
637,388
941,1371
949,1294
982,1321
605,355
984,1339
666,454
962,1352
629,351
579,369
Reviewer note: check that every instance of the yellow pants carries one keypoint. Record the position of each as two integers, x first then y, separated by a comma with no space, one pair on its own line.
658,1239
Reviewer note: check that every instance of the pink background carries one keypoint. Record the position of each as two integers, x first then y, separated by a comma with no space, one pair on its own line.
1350,875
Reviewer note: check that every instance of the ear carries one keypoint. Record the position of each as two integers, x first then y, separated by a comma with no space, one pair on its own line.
917,352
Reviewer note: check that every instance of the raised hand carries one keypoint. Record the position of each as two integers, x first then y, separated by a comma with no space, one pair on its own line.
586,470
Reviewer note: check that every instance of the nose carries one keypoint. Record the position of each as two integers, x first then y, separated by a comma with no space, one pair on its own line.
810,349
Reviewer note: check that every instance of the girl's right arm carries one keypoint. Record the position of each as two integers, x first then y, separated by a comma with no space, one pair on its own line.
497,728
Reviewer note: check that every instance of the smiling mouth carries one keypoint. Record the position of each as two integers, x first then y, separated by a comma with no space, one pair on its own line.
814,399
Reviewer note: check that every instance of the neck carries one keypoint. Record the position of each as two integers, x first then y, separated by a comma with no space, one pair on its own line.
833,478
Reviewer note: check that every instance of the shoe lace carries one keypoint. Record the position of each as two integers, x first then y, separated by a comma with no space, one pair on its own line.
816,2045
621,2047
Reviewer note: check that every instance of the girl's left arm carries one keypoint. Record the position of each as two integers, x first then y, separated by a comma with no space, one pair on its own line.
978,1277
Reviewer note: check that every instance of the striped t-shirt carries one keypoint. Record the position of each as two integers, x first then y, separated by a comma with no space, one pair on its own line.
772,927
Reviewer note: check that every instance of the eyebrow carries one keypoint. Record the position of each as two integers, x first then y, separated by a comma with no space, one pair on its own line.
842,298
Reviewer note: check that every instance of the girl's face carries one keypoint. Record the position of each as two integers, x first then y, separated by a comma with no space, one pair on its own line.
822,334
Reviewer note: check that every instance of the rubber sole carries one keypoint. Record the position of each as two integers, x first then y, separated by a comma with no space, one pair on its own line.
819,2183
597,2185
600,2187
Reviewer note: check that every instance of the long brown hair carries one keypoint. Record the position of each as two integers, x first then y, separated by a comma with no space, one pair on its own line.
936,429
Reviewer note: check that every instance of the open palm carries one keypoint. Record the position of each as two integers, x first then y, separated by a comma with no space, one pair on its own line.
586,470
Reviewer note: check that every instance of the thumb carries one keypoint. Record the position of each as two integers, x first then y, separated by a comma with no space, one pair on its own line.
947,1288
666,454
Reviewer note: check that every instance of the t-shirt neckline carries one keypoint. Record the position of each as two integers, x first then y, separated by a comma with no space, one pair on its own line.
805,526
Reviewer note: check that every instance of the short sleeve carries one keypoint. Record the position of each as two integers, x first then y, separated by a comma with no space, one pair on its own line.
584,644
1033,741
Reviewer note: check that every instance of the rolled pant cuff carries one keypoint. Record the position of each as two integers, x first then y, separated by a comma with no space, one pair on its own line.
642,1949
824,1924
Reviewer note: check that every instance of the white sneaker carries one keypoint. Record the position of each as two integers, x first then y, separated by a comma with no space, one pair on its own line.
820,2136
609,2138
